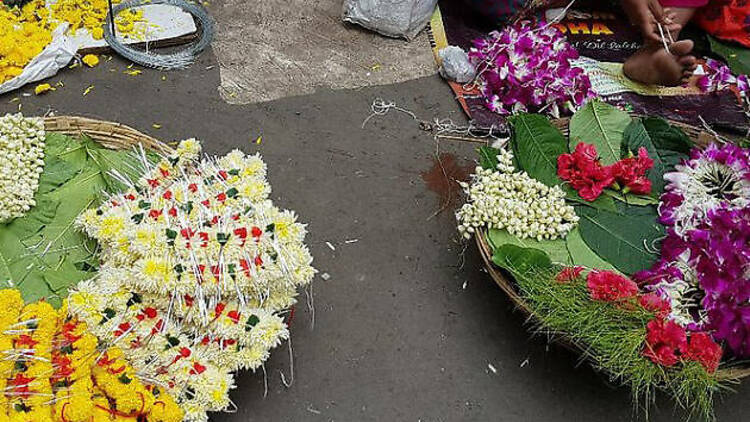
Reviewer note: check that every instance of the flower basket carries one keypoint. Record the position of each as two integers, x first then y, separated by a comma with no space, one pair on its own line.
504,280
109,134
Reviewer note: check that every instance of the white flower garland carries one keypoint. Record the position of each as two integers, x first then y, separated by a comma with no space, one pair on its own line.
504,199
21,163
197,264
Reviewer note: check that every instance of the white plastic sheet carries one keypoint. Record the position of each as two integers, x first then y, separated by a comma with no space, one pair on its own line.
53,58
393,18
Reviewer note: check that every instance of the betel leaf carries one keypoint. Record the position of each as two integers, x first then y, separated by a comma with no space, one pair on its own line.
110,162
603,202
536,146
736,56
624,239
520,260
667,137
635,138
602,125
582,255
555,249
56,172
488,157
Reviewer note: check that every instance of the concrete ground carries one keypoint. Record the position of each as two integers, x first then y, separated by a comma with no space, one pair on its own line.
405,329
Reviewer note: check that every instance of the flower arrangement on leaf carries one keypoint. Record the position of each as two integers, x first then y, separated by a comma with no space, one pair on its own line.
198,266
643,256
527,68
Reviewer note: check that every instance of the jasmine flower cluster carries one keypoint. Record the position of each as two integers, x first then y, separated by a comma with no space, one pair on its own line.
21,163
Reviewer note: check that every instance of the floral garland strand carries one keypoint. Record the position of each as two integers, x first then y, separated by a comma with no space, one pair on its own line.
197,265
704,259
527,68
54,371
21,161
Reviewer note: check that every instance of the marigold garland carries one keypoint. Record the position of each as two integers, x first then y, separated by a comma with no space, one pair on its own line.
56,372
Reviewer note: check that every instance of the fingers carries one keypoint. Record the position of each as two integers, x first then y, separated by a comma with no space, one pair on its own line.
655,7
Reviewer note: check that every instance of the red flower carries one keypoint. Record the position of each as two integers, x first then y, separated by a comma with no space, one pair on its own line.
666,342
172,212
189,300
164,172
155,214
153,183
219,308
197,369
193,187
150,312
167,195
569,274
221,197
703,349
258,261
584,172
234,316
223,175
655,303
631,172
610,287
25,340
256,231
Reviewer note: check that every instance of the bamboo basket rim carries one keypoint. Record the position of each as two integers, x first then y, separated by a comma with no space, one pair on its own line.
111,135
735,371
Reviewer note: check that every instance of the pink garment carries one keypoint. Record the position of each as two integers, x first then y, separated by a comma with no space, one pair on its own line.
683,3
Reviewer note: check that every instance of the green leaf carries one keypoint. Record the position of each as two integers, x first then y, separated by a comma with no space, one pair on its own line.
520,260
602,125
667,137
582,255
736,56
555,249
108,161
631,199
488,157
622,238
636,137
56,172
603,202
536,146
43,213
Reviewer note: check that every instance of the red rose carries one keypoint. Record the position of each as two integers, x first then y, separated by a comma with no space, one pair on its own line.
608,286
666,342
702,348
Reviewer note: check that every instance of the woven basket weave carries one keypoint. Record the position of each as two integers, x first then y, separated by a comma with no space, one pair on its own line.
111,135
507,284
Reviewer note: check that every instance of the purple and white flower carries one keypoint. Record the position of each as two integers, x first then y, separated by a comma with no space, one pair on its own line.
527,68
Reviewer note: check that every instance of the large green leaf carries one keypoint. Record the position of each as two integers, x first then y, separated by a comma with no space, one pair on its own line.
737,57
602,125
488,157
520,260
555,249
667,137
626,239
582,255
536,146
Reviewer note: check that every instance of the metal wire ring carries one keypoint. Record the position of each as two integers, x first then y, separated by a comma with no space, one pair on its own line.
177,60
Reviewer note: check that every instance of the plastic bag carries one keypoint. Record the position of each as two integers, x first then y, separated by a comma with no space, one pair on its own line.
456,65
392,18
54,57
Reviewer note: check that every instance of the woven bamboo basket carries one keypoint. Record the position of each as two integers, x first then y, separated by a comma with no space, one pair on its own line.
109,134
507,284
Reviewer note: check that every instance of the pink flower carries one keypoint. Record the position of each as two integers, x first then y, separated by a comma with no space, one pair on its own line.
569,274
584,172
655,303
703,349
666,342
608,286
631,172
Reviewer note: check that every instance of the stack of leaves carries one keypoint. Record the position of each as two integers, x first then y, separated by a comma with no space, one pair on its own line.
54,371
41,252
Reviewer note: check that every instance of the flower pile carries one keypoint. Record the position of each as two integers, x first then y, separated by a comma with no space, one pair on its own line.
24,33
53,370
705,257
589,177
92,14
527,67
505,199
21,163
198,265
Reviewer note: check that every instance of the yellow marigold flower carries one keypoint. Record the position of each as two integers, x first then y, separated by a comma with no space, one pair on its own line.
43,88
91,60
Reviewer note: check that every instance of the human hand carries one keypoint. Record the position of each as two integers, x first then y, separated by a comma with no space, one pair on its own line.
646,14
